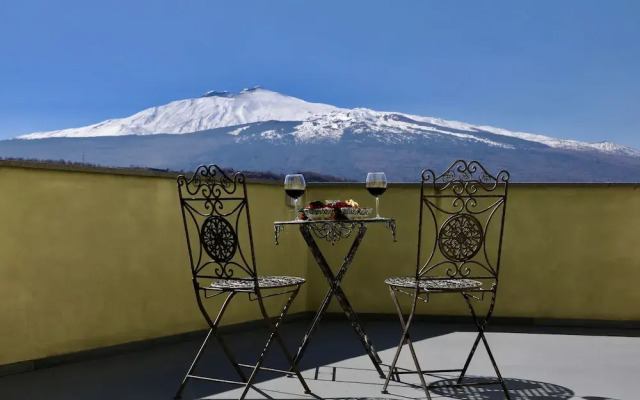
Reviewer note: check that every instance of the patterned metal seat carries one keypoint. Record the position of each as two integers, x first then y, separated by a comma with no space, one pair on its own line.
435,285
264,282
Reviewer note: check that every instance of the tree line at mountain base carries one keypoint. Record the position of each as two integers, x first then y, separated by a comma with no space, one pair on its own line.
310,176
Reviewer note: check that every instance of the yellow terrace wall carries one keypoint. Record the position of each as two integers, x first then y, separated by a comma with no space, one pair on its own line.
92,258
569,251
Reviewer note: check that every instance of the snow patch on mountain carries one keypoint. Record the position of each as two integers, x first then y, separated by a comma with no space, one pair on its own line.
271,135
396,127
236,132
606,147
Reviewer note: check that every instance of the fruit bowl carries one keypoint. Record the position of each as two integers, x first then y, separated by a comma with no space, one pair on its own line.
316,214
355,212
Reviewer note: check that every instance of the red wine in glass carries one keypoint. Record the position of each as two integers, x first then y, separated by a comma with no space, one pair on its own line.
376,184
294,186
294,193
376,191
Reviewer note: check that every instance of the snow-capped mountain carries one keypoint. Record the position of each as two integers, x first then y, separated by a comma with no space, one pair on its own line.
212,110
260,129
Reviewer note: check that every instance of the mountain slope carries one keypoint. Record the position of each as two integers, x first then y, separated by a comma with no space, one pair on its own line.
258,129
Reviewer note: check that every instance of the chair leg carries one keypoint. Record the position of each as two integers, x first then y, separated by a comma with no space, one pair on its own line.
471,354
195,361
481,328
293,365
495,367
409,341
405,338
274,335
213,330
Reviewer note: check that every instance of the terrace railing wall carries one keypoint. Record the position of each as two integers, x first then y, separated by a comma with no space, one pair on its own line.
93,257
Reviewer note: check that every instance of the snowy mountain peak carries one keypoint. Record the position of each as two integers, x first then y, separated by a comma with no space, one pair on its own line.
316,122
262,130
216,109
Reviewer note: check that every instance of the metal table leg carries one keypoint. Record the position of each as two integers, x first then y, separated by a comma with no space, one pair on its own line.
335,290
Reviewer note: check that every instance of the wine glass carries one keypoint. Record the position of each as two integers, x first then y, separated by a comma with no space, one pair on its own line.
294,186
376,185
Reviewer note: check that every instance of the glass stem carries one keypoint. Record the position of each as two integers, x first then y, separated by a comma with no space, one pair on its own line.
295,208
377,207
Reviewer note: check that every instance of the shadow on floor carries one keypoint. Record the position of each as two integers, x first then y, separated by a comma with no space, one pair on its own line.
518,389
596,398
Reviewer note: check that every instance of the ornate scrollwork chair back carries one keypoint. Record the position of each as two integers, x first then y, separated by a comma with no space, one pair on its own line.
217,224
460,225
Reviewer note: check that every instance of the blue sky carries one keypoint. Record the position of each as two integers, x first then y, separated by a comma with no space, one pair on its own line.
568,69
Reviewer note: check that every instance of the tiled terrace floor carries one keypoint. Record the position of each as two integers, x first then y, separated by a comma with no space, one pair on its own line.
538,363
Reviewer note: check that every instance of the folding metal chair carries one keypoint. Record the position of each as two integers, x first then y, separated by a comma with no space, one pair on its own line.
214,209
465,213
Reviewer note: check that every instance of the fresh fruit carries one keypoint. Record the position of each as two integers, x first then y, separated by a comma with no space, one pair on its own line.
351,203
315,204
336,205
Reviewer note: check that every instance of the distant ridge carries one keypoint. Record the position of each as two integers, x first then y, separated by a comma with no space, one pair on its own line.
310,176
